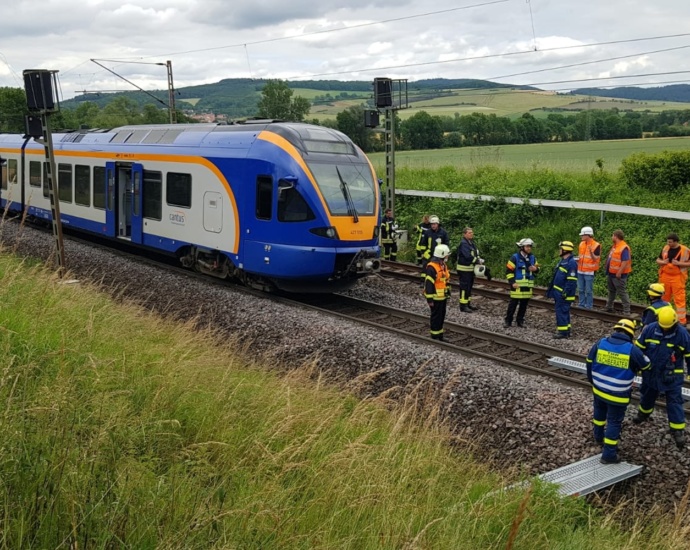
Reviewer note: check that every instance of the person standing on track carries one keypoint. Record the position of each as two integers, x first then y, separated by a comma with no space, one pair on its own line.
563,288
612,364
667,344
437,289
674,261
430,239
618,267
655,293
467,258
589,256
389,235
520,272
419,231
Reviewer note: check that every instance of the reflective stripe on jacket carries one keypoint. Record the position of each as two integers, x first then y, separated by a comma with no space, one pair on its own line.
587,262
615,258
467,255
387,230
670,270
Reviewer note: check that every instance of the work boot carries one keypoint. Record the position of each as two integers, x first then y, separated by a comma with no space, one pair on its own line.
506,324
641,417
521,324
561,334
473,308
465,308
679,437
611,460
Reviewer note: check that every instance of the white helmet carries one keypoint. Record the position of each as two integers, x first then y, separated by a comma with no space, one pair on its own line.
525,242
434,219
587,230
441,251
480,270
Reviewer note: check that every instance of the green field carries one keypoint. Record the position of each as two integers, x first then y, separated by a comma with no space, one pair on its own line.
579,156
501,102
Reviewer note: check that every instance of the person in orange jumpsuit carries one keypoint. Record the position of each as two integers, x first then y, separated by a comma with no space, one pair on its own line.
674,261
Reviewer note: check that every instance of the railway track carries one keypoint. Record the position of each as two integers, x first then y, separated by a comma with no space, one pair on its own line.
498,290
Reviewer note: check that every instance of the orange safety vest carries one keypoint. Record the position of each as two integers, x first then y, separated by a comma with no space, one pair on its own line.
671,270
615,260
441,282
587,262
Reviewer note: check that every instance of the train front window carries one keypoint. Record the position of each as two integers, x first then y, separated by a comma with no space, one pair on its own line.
346,188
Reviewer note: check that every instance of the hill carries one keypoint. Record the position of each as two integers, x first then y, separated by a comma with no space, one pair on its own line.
673,92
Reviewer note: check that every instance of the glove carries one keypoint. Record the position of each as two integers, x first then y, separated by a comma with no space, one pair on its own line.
431,303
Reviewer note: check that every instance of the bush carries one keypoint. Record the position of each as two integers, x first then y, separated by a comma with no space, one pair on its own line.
667,171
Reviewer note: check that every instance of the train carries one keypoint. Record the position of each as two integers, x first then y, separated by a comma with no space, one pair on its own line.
275,205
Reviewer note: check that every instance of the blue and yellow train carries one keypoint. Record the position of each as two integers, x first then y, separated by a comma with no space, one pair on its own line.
274,204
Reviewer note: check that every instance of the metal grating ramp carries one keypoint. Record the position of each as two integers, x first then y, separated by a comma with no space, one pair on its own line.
577,366
589,475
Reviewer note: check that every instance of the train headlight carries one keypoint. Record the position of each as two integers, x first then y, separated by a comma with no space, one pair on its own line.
328,232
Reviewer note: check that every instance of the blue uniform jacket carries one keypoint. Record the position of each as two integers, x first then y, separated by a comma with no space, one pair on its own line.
564,282
668,352
650,314
611,366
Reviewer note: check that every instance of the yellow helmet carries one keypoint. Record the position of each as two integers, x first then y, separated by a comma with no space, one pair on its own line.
626,325
667,317
566,245
656,290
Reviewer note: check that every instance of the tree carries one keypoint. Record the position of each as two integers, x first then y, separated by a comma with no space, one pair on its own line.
13,109
351,122
422,131
276,102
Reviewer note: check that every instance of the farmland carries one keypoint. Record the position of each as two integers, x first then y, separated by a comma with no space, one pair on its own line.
577,156
501,102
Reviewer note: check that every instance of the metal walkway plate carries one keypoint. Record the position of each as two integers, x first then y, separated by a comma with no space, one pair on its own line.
577,366
589,475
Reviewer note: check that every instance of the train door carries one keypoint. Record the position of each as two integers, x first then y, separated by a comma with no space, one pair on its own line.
123,206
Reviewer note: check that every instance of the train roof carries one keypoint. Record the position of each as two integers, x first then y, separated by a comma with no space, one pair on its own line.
306,137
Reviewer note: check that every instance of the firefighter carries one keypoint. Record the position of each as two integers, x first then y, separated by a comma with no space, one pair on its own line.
419,231
588,259
655,293
520,272
432,237
667,345
674,261
437,289
612,364
467,259
563,288
389,236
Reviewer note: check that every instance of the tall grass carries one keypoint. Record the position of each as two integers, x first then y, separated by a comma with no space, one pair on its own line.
120,430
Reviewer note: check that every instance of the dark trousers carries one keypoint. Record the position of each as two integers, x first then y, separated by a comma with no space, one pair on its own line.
466,284
521,305
674,398
562,314
608,421
419,256
619,287
438,316
390,251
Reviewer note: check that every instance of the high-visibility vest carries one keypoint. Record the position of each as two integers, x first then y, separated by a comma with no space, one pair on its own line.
671,270
615,260
587,262
440,282
612,377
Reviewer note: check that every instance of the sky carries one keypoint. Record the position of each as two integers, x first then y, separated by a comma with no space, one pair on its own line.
552,44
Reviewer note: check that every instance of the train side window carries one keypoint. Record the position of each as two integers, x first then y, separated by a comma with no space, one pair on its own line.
178,189
9,172
82,185
153,195
99,187
35,173
3,174
292,207
65,182
264,197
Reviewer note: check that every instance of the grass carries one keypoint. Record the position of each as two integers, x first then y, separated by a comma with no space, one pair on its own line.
121,430
575,157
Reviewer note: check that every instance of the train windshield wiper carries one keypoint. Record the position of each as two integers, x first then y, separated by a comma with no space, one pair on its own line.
348,197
